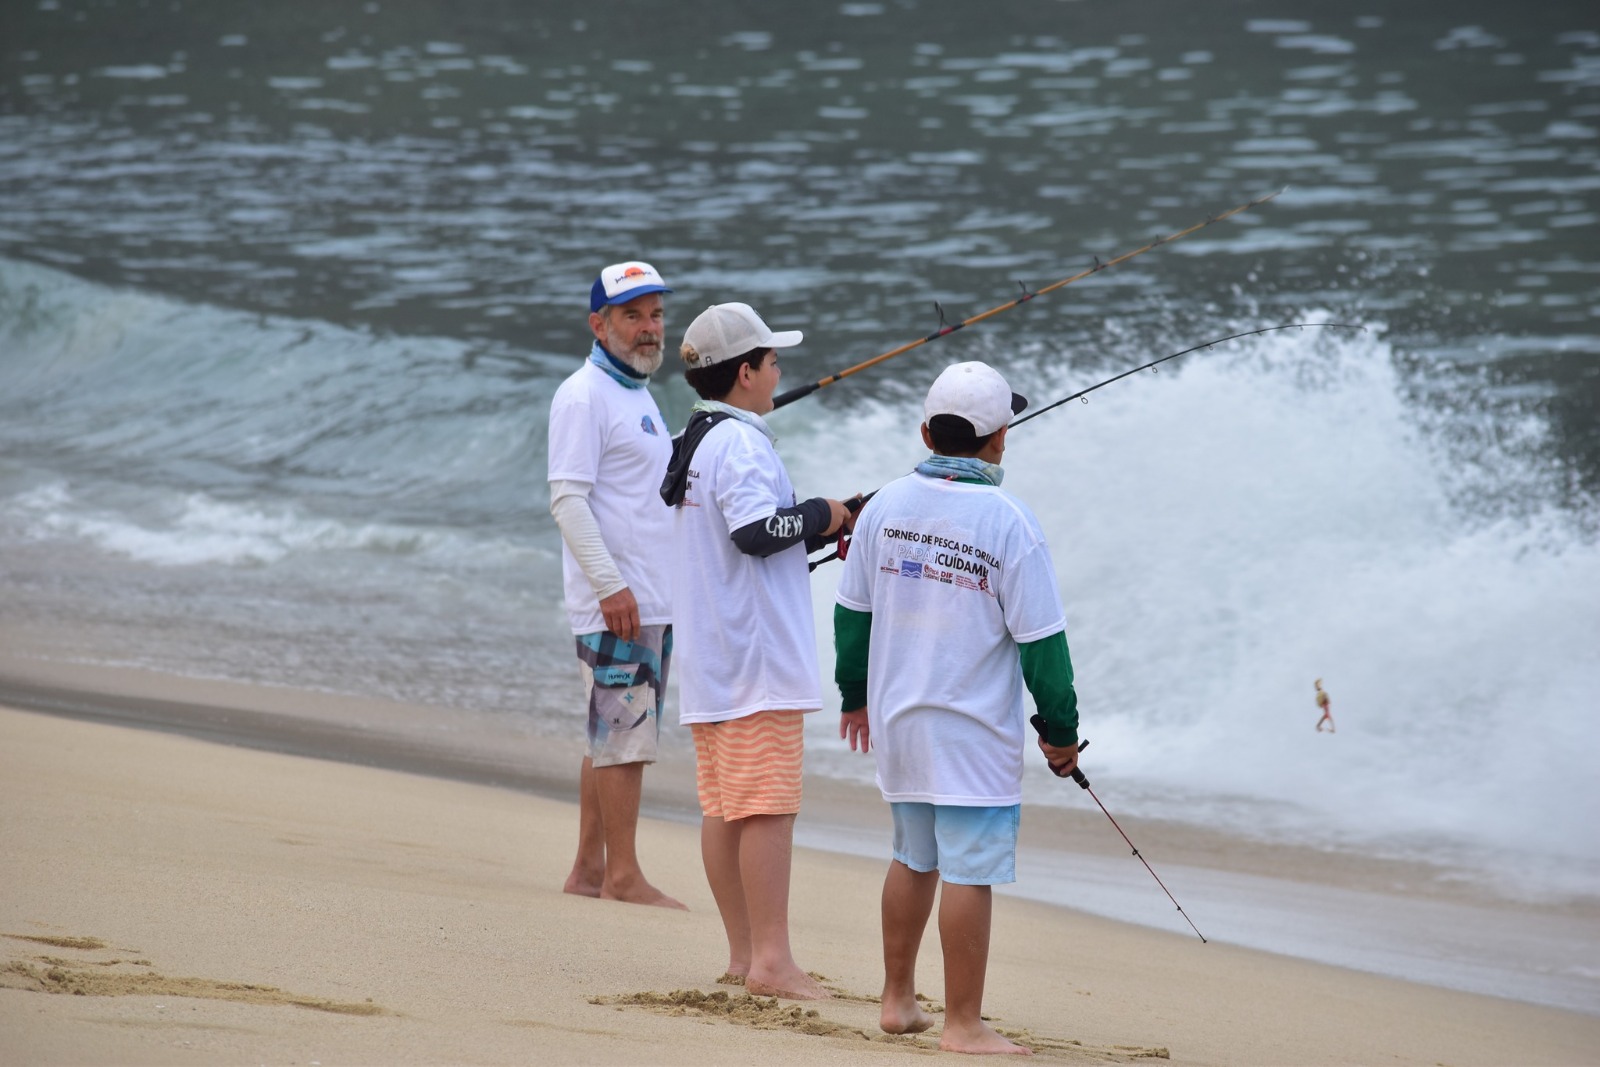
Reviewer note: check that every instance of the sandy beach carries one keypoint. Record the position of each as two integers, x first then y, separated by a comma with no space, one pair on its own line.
209,903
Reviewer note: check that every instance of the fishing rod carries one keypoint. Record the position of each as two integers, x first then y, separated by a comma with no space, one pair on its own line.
854,504
945,329
1078,776
1080,394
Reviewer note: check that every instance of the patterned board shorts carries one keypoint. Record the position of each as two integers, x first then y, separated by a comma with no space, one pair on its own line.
749,766
626,684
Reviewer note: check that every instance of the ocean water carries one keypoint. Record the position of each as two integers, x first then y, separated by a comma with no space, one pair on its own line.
284,296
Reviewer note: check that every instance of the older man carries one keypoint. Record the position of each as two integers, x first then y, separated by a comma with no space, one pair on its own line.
608,449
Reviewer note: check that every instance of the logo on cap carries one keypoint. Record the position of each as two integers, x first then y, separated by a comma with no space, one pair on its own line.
622,282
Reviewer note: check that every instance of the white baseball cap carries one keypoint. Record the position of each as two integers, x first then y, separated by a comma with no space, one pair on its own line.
727,331
975,392
622,282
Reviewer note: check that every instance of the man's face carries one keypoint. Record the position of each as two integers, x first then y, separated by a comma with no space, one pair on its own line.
633,332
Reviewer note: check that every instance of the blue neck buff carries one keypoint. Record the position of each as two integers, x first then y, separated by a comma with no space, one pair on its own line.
619,371
961,469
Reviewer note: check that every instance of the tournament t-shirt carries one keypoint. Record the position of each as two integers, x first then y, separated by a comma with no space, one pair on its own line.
615,439
743,635
956,575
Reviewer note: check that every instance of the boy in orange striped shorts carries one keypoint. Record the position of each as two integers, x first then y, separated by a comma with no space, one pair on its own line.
747,659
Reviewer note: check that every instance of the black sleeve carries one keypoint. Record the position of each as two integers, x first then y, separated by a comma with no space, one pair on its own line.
783,528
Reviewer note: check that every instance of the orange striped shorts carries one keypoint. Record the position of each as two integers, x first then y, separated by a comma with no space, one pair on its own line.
749,766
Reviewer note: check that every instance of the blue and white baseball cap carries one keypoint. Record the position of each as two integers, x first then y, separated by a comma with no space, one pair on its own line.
622,282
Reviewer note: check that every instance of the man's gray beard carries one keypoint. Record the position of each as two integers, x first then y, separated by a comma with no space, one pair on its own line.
646,365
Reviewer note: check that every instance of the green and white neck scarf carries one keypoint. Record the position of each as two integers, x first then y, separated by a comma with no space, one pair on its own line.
961,469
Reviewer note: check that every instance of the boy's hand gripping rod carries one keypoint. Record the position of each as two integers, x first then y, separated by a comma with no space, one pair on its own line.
1077,776
945,328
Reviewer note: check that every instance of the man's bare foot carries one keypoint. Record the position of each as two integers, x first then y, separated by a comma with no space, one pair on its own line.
900,1017
644,894
633,889
980,1040
580,885
793,984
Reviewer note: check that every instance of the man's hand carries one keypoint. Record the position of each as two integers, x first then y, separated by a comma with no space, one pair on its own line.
853,728
1063,761
621,612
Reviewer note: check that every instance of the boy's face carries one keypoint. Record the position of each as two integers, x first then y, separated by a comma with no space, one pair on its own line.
764,382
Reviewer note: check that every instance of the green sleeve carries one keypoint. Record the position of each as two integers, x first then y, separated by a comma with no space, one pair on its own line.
1047,671
852,634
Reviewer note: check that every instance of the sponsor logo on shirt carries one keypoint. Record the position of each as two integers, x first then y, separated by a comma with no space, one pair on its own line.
924,571
648,426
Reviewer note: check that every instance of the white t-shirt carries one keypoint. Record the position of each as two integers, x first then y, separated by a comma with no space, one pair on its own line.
743,633
956,575
615,439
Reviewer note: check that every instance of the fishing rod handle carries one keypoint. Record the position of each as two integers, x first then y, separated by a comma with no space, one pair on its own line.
792,395
1077,774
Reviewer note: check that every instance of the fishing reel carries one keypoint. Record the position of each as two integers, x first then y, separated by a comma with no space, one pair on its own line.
841,545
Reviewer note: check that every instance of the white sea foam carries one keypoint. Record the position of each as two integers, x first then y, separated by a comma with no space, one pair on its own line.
1248,521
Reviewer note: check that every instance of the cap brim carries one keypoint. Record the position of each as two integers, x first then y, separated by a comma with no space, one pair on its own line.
785,339
1018,403
634,294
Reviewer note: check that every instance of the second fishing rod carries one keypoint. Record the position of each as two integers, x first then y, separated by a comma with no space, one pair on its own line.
856,503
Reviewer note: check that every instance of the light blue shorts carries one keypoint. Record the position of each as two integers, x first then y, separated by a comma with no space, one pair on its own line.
967,846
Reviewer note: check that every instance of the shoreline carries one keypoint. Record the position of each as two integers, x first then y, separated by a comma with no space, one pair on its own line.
1384,917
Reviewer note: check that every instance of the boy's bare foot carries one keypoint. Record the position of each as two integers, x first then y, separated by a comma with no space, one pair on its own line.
903,1018
979,1040
794,984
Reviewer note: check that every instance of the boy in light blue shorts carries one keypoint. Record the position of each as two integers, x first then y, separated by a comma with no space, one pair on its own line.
947,608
